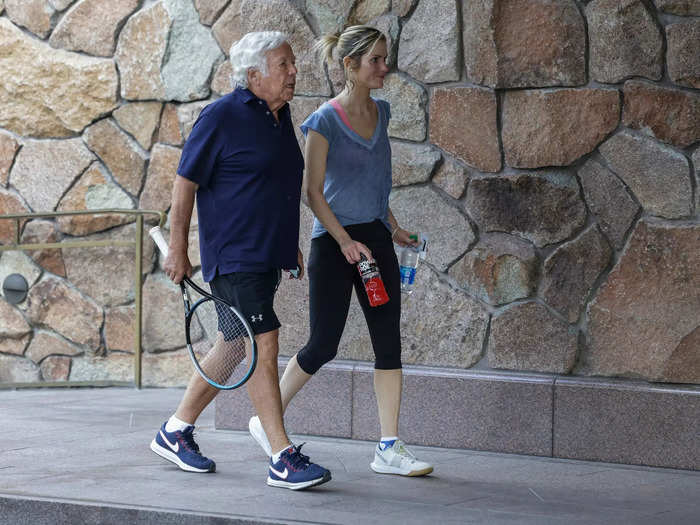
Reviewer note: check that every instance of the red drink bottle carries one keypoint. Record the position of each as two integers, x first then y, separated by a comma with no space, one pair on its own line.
374,286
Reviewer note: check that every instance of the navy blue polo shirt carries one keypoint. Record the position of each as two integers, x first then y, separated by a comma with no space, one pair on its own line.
249,170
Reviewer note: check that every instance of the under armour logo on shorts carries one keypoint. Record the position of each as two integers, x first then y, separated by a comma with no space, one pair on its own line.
254,318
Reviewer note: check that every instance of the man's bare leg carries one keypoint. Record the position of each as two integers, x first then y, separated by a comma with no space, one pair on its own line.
264,391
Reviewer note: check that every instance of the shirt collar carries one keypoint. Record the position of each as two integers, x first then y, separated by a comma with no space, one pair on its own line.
247,96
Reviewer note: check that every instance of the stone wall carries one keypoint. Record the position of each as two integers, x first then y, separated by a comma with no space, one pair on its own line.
549,148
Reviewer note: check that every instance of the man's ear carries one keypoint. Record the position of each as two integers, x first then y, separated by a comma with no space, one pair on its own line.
253,77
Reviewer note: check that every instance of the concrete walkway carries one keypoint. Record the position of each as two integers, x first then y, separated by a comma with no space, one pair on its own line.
81,456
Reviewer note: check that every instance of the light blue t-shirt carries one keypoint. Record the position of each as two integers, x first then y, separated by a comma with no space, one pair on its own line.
358,171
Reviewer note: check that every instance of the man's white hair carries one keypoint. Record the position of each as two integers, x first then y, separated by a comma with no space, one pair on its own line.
250,53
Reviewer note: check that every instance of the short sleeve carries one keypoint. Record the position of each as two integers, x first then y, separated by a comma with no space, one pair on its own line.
200,151
386,107
320,123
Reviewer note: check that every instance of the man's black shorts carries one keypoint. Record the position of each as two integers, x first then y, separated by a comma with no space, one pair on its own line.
253,294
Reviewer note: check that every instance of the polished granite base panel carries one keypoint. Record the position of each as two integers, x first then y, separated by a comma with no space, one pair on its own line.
537,414
627,422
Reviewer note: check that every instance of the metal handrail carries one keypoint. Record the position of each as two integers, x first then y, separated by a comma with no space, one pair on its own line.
137,244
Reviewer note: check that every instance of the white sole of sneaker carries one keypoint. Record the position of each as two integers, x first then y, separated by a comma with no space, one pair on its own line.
166,454
385,469
297,486
255,430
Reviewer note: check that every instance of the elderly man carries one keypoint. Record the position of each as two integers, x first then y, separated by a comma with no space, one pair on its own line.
243,163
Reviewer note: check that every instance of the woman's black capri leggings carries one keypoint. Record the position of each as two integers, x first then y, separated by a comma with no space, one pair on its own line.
331,279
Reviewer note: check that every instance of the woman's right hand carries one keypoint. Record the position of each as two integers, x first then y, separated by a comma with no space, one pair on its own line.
353,250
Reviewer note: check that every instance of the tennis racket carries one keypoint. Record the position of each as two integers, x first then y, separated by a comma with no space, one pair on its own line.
219,339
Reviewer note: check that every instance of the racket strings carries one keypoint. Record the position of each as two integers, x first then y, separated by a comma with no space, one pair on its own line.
220,343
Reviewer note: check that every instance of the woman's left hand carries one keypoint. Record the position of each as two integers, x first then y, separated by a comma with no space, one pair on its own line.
403,237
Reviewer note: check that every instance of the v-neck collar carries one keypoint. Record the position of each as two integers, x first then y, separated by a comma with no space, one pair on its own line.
356,137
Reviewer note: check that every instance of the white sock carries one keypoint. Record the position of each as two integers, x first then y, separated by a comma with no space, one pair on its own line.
174,424
276,457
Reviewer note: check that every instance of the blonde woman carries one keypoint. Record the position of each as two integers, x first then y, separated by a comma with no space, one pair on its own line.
348,181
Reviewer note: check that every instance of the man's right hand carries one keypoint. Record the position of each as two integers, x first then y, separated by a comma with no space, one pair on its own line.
177,265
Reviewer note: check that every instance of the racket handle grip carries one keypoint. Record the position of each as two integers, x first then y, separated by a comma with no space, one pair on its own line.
158,238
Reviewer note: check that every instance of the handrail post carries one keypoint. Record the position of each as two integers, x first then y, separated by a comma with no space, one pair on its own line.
137,301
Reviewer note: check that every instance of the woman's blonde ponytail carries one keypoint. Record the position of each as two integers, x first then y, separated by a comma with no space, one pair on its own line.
325,46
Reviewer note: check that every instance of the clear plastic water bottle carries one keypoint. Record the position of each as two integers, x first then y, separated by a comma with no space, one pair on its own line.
407,266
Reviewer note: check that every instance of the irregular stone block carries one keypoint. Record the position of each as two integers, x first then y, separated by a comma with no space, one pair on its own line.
18,262
408,100
187,115
169,369
571,271
86,268
93,191
112,367
222,81
38,16
169,131
437,62
683,53
543,208
10,204
657,174
679,7
77,30
228,29
302,107
45,344
61,5
476,144
527,337
14,331
609,200
191,54
412,163
498,270
39,232
140,120
696,163
27,108
554,128
364,11
279,15
328,16
55,305
625,41
402,7
45,169
524,43
644,319
55,368
17,370
389,25
452,178
209,10
421,209
160,179
670,115
162,314
123,159
140,52
119,328
435,307
8,149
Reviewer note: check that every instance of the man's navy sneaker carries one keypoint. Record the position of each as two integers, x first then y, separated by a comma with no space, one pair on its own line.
180,448
295,471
